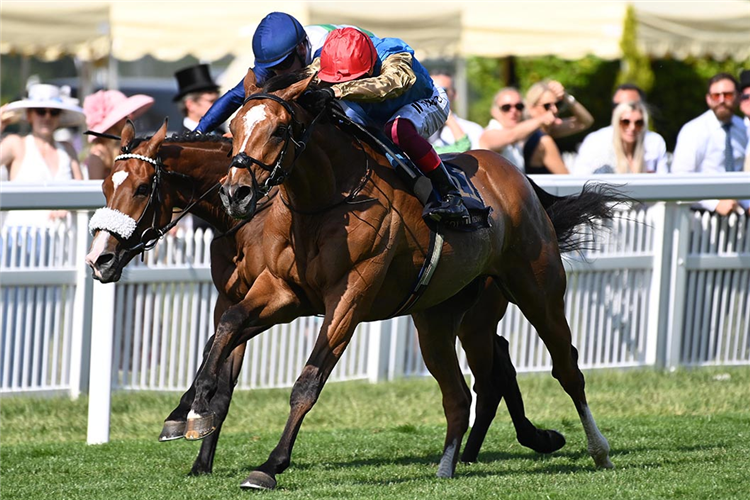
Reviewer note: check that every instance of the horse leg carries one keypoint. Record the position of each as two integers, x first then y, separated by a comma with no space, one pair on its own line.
333,338
538,288
436,328
495,377
230,372
252,314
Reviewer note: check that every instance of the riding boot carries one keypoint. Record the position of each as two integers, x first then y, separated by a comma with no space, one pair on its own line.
451,206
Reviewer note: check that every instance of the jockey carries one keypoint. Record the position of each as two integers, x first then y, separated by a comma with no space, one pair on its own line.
380,81
280,45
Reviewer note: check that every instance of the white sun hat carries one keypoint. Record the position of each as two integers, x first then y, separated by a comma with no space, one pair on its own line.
43,95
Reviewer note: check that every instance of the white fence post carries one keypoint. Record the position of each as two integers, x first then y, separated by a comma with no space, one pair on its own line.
377,350
675,321
81,331
100,383
663,217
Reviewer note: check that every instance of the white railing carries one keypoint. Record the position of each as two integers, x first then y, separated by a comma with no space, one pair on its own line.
664,286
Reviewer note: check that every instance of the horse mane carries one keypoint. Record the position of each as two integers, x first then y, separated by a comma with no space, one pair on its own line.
181,137
279,82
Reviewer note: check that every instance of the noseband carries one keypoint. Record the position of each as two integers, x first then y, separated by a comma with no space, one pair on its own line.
278,175
124,226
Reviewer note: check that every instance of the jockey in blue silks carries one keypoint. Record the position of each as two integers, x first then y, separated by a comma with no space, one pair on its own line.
280,45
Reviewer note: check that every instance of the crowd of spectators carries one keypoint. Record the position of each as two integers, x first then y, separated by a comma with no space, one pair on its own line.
522,128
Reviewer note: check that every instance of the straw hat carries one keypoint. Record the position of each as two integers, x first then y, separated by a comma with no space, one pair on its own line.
107,107
42,95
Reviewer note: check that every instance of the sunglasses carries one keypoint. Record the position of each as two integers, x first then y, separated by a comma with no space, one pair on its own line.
715,96
744,97
625,123
44,111
548,105
506,107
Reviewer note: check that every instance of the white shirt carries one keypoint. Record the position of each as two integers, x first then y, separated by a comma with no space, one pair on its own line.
597,153
512,152
444,137
189,124
700,148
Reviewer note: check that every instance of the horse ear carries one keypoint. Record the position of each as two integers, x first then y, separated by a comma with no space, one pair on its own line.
127,135
294,90
250,82
158,138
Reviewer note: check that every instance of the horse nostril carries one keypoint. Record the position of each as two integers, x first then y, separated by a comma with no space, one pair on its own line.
243,192
104,259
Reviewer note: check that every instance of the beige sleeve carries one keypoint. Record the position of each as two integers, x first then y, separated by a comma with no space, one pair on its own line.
396,77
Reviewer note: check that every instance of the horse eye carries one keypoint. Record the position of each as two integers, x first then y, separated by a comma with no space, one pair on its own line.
143,190
280,131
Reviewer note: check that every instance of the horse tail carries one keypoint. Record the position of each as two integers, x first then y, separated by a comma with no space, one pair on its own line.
595,203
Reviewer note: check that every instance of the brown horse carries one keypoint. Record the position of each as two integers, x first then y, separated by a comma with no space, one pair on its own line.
350,238
154,175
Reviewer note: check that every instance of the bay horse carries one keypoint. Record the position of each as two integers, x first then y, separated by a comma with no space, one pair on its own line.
156,174
349,237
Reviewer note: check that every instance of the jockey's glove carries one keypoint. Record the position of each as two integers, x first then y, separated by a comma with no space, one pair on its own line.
316,100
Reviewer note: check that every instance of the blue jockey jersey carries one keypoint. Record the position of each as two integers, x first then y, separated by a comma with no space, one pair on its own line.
227,104
423,87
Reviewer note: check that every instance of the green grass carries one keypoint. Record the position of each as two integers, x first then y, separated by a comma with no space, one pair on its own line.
673,435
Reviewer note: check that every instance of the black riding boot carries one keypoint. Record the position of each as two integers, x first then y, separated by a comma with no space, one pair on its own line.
451,206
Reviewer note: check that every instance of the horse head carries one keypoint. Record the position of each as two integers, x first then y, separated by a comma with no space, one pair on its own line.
266,142
138,207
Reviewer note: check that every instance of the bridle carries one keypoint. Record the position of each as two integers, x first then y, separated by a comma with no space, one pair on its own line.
123,225
278,175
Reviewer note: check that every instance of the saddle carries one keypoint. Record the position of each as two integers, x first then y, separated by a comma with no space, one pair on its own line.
420,185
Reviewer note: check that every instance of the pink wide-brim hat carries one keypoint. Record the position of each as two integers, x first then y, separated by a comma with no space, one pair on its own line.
107,107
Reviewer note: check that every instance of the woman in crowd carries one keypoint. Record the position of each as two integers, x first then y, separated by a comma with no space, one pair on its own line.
107,111
626,147
37,157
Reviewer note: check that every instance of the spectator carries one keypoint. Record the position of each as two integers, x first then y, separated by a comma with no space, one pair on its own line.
195,95
506,130
540,152
107,111
626,146
715,141
37,157
457,135
628,92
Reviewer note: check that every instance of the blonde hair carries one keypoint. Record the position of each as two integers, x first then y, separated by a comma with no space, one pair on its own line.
621,162
535,93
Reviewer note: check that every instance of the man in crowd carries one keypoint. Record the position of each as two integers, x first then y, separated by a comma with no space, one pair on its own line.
714,142
195,95
457,135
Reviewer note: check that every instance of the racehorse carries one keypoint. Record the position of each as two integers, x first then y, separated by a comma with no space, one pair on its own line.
156,174
349,237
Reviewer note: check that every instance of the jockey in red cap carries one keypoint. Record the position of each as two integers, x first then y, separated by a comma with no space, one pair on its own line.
379,80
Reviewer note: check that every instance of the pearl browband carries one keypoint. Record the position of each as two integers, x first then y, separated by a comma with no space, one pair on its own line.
137,157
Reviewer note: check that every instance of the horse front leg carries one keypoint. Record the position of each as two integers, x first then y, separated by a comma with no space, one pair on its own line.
220,407
332,340
270,301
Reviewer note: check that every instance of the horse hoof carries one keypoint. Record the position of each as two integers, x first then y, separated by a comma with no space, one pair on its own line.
447,465
604,463
173,429
199,427
544,441
258,480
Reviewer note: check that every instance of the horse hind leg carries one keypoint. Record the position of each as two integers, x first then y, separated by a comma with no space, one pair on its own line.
495,377
539,290
436,328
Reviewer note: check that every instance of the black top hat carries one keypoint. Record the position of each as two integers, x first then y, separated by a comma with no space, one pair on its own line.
744,79
194,79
